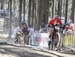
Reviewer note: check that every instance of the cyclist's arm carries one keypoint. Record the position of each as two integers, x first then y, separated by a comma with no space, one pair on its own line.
50,24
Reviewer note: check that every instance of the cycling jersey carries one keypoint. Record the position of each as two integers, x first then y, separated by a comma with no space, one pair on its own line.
53,22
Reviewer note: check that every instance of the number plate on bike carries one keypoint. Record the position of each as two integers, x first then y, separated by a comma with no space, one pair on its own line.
56,27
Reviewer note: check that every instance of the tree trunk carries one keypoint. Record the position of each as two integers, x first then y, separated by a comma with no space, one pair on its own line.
58,7
35,19
66,10
46,11
24,2
53,9
20,12
29,12
39,12
2,5
32,12
10,20
73,8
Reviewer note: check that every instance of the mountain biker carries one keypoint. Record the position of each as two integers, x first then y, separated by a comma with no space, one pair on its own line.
56,21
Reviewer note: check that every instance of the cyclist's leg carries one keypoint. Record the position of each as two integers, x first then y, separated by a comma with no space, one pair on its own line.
49,43
52,44
16,39
50,37
53,41
59,40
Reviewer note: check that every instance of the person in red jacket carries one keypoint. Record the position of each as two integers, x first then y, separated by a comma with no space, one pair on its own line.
54,21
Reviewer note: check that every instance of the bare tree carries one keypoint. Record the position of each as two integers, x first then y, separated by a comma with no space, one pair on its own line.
32,12
73,9
29,12
66,10
43,11
20,12
24,2
52,8
10,20
2,5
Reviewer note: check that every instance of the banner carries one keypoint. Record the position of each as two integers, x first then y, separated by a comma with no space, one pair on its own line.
1,24
40,39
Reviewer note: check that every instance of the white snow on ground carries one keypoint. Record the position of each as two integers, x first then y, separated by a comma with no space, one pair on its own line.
7,55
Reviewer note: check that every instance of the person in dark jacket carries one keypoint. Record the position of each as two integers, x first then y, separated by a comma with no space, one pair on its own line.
25,32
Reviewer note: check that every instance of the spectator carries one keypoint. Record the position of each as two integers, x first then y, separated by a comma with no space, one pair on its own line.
25,32
44,27
31,32
18,32
71,25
